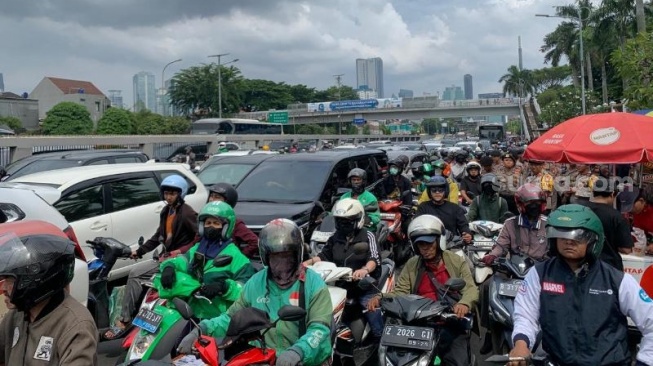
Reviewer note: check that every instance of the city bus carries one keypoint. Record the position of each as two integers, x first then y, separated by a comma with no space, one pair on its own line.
491,131
235,126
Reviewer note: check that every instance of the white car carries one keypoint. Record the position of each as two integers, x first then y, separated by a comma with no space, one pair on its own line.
121,201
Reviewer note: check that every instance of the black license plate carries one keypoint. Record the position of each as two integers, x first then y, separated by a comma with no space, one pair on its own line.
408,337
147,320
510,288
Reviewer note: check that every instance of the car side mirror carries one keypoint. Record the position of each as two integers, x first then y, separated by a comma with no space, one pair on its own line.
455,284
184,309
289,313
222,260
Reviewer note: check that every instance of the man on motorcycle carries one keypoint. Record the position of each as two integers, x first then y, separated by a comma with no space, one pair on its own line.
470,184
578,302
453,216
425,274
177,232
242,236
357,178
395,184
284,281
440,168
193,271
339,249
488,206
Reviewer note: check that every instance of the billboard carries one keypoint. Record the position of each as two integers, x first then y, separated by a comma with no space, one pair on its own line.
349,105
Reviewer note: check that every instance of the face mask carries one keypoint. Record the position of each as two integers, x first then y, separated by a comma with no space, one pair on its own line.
488,189
357,188
284,270
212,233
345,226
460,159
394,171
533,210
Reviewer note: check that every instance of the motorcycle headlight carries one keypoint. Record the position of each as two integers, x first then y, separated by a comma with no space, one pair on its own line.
142,342
424,360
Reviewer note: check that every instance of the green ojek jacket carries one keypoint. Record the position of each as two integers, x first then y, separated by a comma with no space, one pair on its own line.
314,346
236,274
371,206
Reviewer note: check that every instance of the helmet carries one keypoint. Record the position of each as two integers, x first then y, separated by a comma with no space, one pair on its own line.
348,211
41,265
508,156
189,149
265,148
174,183
416,169
472,165
222,144
404,159
360,173
227,191
427,169
280,235
461,153
575,222
439,164
398,163
425,228
220,210
527,193
438,181
496,153
491,179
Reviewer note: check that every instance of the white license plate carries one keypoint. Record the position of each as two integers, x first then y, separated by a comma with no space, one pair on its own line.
510,288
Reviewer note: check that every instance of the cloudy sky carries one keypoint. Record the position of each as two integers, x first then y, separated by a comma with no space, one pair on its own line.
425,45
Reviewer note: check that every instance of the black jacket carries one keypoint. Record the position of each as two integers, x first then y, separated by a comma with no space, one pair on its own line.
339,249
184,231
389,184
451,215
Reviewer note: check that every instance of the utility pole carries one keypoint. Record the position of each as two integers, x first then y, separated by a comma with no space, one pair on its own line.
339,84
639,15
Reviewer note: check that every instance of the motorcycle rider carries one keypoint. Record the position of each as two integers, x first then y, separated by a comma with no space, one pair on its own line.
44,324
441,168
177,232
222,285
283,280
453,216
338,249
594,330
242,236
458,165
357,178
470,184
425,274
488,205
222,147
395,184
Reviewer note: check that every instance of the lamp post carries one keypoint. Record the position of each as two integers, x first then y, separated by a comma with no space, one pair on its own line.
219,56
163,82
582,51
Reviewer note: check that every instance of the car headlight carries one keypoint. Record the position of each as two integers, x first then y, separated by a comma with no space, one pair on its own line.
142,342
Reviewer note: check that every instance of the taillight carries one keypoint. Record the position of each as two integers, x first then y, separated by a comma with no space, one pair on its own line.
70,233
151,295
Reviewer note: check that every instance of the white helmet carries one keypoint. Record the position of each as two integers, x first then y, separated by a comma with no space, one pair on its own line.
222,144
351,210
473,165
427,228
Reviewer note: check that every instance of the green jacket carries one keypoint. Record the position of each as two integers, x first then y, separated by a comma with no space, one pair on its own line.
314,347
236,274
490,208
371,205
456,267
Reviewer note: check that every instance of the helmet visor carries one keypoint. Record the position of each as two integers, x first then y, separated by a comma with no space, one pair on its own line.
578,234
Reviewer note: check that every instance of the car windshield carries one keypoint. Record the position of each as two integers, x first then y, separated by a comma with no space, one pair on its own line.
224,173
41,166
285,181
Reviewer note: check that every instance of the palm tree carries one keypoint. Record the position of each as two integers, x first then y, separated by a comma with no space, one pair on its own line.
517,82
581,13
562,43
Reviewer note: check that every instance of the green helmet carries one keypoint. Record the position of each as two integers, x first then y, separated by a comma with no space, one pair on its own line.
427,169
220,210
575,222
439,164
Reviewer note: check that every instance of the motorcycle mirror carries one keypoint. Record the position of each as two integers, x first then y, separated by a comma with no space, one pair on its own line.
222,260
455,284
342,191
141,240
289,313
155,254
184,309
360,248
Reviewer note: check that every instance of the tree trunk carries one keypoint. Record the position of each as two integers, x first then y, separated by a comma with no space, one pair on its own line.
590,76
639,15
574,76
604,81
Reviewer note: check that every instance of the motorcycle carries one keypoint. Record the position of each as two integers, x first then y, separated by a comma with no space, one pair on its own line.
160,324
412,334
485,236
352,329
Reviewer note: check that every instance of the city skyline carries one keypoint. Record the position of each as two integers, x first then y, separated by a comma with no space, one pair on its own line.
144,91
369,75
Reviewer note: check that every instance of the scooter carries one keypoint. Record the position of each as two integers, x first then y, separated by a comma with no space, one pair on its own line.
485,236
412,333
161,325
327,227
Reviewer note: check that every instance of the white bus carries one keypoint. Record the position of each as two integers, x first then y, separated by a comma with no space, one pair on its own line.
235,126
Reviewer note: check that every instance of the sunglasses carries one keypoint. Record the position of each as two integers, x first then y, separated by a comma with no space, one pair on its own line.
437,190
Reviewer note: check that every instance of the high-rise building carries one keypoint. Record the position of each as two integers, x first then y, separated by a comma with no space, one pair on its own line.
453,93
144,92
405,93
469,88
369,75
2,84
115,96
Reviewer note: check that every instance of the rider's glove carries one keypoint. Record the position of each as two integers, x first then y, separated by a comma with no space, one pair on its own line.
289,358
217,288
168,277
489,259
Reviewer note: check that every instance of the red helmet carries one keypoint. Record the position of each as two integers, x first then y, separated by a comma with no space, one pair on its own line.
528,193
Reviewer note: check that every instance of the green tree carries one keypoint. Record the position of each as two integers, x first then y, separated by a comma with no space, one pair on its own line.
115,121
514,126
517,82
568,105
67,118
431,126
334,93
302,94
176,126
310,129
263,95
148,123
562,43
635,65
385,130
550,77
366,130
11,122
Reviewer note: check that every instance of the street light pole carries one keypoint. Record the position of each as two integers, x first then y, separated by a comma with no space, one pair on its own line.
219,56
163,80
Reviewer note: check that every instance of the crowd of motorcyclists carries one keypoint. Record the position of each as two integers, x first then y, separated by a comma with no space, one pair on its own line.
577,298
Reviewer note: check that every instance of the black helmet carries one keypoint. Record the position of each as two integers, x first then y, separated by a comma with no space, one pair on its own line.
41,265
227,191
491,179
360,173
404,159
416,169
280,235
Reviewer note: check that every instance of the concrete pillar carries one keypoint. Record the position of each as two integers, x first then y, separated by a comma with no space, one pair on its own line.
19,153
148,149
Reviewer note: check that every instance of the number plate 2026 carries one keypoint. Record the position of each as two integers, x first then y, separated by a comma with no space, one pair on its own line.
408,337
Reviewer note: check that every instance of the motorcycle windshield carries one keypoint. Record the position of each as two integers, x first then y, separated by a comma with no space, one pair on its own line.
520,264
410,308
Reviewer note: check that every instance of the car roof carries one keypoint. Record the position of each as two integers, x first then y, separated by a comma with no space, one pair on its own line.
68,176
409,153
84,154
326,155
239,159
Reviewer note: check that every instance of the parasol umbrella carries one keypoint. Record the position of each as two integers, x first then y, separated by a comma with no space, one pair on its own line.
619,138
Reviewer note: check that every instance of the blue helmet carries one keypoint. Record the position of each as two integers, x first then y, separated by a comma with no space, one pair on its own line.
438,181
175,182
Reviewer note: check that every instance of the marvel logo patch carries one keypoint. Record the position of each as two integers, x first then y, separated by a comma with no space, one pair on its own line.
556,288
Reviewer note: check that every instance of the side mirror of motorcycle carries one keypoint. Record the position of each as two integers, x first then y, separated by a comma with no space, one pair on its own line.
455,284
289,313
155,255
141,240
222,260
184,309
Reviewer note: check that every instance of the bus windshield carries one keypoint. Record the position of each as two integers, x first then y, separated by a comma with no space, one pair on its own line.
493,132
231,126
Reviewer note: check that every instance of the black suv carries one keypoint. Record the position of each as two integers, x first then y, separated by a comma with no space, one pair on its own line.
67,159
301,186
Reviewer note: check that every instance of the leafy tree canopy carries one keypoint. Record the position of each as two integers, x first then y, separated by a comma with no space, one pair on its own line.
67,118
115,121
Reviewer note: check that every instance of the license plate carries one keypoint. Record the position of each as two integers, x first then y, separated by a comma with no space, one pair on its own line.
510,288
320,236
408,337
147,320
